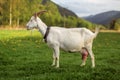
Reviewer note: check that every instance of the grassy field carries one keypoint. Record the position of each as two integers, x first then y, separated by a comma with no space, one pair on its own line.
24,56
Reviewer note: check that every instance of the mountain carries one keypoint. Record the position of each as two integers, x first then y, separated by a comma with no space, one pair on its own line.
60,16
104,18
63,11
66,12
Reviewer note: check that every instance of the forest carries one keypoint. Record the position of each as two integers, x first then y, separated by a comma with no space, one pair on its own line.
16,13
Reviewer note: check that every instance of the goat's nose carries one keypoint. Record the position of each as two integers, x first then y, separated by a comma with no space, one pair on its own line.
27,27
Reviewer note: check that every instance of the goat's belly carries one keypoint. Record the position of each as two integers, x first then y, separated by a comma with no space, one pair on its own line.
71,48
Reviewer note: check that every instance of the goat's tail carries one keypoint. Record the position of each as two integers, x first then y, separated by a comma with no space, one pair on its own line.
96,31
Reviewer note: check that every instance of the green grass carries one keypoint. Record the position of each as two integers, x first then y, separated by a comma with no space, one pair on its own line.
26,57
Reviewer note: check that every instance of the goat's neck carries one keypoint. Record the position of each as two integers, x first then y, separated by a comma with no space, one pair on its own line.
42,27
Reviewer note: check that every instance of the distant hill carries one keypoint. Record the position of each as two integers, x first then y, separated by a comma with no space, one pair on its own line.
104,18
66,12
60,16
63,11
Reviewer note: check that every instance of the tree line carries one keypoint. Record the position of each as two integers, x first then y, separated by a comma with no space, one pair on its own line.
18,12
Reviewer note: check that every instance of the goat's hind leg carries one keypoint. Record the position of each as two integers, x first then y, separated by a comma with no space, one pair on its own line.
92,56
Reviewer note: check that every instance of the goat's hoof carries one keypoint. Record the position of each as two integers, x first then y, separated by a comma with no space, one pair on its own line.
93,66
82,65
57,67
53,65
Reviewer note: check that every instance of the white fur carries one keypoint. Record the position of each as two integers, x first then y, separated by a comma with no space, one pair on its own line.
68,39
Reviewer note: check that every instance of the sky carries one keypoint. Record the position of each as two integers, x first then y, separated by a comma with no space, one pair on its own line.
89,7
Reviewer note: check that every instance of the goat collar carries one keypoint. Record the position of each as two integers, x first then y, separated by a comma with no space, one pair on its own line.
46,34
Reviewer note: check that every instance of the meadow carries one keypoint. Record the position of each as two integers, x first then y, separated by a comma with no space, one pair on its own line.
24,56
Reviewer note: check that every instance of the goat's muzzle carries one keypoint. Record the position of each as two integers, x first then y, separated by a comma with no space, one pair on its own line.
27,27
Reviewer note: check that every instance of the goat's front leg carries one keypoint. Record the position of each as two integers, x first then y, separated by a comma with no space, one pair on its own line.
54,59
56,56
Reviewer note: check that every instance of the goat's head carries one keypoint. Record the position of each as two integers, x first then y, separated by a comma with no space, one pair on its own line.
33,21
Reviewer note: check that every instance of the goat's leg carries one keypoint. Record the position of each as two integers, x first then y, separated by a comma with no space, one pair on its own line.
92,57
56,58
84,54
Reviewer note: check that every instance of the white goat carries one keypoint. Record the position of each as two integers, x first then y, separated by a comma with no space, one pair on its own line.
68,39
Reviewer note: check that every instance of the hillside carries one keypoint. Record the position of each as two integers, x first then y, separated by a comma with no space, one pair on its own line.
16,13
63,11
104,18
69,18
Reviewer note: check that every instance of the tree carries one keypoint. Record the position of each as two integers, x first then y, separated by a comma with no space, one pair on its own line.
18,12
117,24
112,24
